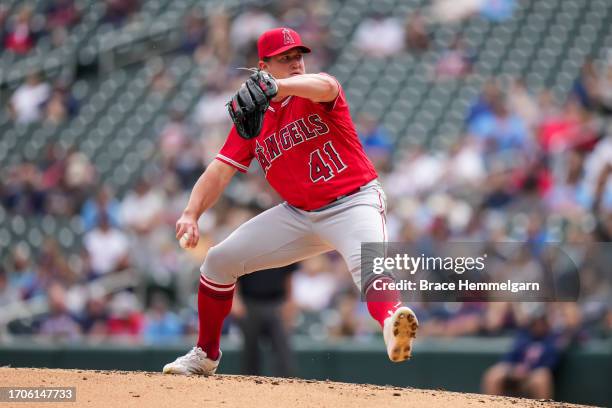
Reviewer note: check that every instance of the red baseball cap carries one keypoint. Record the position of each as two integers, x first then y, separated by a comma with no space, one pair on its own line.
277,41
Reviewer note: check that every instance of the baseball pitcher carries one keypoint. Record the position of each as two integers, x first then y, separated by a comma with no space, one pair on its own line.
298,127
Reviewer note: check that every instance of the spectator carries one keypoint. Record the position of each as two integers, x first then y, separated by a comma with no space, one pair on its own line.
523,103
173,138
313,284
352,319
309,20
527,370
502,131
547,105
425,167
375,139
161,81
59,324
532,182
27,101
53,166
453,320
449,11
569,195
55,111
107,248
61,13
23,277
79,178
22,33
593,89
500,318
498,191
595,169
585,86
60,106
104,203
141,209
603,196
94,321
248,26
118,12
194,33
160,324
497,11
23,191
464,165
177,197
211,114
483,105
455,62
59,35
605,91
4,12
417,35
125,322
53,265
189,164
8,293
378,36
569,128
218,45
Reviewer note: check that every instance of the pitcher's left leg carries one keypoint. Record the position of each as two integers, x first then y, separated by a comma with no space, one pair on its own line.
346,228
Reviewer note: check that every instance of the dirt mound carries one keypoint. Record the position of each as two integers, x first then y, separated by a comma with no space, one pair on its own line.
142,389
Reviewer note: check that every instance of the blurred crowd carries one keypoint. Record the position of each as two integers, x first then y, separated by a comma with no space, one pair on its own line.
530,166
26,24
22,28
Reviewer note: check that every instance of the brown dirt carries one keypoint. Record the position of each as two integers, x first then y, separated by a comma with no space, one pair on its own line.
142,389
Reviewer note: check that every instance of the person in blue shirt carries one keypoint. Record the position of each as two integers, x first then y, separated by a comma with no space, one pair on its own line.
527,369
161,324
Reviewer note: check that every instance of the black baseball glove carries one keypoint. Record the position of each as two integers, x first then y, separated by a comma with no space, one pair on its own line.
248,106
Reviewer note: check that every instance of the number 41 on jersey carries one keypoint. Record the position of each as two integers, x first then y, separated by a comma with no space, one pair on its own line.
320,167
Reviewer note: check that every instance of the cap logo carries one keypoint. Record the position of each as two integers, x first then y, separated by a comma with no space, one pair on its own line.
287,38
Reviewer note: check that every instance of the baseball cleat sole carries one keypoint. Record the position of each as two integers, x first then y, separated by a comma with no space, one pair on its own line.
399,332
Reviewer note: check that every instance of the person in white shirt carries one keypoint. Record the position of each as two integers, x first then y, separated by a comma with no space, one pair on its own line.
380,36
27,101
108,248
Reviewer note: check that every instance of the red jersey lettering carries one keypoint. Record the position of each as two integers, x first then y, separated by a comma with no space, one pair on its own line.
272,147
309,134
309,151
320,126
284,137
334,156
318,168
296,137
261,157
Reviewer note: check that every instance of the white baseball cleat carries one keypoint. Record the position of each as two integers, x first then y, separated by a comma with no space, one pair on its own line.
194,362
399,330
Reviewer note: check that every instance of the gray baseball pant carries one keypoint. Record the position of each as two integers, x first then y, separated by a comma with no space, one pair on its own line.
284,234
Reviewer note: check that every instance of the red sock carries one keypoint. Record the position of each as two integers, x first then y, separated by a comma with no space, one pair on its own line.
214,304
382,303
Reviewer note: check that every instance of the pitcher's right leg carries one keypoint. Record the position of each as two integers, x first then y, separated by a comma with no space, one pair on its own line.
276,237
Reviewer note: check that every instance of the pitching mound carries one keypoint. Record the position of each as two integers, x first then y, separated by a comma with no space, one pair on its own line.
142,389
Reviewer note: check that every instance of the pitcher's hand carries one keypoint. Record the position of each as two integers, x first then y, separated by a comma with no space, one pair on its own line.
188,224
